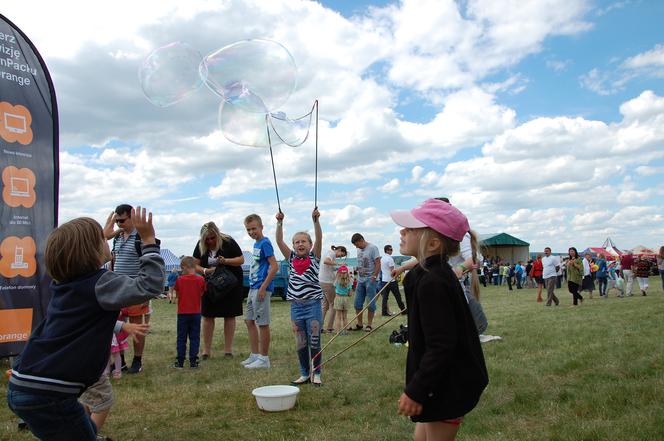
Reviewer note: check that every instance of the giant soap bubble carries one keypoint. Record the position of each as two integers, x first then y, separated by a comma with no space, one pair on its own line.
171,73
255,75
251,128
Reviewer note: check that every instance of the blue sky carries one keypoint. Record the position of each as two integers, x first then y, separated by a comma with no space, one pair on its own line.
544,120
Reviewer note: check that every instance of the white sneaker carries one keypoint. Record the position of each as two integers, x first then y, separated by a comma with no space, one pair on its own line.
251,359
259,363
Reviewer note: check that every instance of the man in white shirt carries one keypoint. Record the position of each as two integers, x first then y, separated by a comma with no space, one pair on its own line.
550,267
386,267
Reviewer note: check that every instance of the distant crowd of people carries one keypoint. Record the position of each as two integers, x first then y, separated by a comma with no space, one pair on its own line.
581,273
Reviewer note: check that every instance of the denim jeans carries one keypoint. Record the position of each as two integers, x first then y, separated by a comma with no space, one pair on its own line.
52,418
602,285
365,289
189,325
307,318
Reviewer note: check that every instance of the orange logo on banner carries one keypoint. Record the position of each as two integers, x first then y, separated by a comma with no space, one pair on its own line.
19,187
15,325
15,123
18,257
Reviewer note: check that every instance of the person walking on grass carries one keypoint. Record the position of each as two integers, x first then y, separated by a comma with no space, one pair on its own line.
537,271
386,267
574,275
305,296
368,267
261,272
445,369
587,283
627,268
660,264
601,275
550,266
642,272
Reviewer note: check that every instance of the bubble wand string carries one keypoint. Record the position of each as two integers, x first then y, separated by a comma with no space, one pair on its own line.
362,338
274,173
316,163
353,319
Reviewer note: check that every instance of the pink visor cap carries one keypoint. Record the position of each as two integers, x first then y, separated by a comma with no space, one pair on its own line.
437,215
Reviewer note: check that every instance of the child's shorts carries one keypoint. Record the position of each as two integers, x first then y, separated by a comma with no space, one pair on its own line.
258,310
138,310
341,303
99,396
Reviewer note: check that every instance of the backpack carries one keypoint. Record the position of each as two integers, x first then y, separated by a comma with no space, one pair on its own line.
399,336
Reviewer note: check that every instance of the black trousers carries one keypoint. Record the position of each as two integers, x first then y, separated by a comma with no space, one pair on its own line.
574,289
393,287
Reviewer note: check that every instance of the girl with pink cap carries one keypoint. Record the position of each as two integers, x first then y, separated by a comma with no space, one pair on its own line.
445,370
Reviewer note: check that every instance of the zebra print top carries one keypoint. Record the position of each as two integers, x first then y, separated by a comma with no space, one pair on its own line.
303,278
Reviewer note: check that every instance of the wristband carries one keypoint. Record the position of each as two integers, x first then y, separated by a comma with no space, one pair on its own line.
463,267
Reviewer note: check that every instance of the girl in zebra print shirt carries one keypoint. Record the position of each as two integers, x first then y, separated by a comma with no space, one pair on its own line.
305,294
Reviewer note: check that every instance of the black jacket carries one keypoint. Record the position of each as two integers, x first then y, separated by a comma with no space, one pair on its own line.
445,370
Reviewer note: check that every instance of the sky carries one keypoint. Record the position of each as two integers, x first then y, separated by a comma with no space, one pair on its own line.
541,119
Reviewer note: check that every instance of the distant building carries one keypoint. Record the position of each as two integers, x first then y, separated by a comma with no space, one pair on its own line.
509,248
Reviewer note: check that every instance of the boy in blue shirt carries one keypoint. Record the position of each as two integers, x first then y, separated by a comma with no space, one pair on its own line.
262,271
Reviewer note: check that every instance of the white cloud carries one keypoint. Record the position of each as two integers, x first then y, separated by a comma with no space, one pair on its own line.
391,186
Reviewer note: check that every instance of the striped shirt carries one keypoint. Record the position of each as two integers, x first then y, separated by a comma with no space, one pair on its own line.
126,258
304,286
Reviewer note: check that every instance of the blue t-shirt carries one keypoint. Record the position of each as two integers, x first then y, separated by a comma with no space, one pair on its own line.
260,265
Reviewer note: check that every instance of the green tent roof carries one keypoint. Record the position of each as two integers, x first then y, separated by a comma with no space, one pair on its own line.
499,239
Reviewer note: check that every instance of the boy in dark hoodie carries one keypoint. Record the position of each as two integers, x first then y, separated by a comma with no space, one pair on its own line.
68,351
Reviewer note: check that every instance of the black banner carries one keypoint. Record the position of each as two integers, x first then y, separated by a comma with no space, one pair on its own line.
29,168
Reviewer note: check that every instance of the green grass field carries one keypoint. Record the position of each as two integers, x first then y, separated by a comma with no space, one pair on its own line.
593,372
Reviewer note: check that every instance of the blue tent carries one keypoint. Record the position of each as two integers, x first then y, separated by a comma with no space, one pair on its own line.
171,260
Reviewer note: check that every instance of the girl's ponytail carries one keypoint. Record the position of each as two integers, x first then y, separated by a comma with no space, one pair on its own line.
474,278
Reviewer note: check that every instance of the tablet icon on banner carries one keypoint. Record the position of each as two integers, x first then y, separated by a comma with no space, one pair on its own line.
18,187
18,257
15,123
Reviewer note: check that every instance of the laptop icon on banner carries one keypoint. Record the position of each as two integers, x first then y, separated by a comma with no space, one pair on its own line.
15,123
19,187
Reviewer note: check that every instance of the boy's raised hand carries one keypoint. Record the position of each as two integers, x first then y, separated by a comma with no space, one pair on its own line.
315,214
143,224
280,216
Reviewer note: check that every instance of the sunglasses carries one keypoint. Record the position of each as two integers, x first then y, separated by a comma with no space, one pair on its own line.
121,221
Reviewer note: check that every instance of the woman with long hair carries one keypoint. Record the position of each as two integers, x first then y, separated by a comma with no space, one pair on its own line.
574,275
215,248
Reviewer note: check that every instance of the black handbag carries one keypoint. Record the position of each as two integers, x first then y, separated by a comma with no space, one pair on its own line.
220,283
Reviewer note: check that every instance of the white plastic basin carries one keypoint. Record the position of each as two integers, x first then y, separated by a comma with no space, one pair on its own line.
276,398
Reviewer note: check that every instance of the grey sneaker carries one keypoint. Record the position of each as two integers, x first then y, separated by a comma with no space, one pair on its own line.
259,363
249,360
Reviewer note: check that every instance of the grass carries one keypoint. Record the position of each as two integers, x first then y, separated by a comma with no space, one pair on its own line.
594,372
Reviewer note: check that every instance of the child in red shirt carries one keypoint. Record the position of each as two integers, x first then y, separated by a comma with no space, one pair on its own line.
189,288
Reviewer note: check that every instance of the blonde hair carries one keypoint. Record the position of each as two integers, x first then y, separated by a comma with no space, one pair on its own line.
207,229
74,249
188,262
302,233
450,247
252,218
342,278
